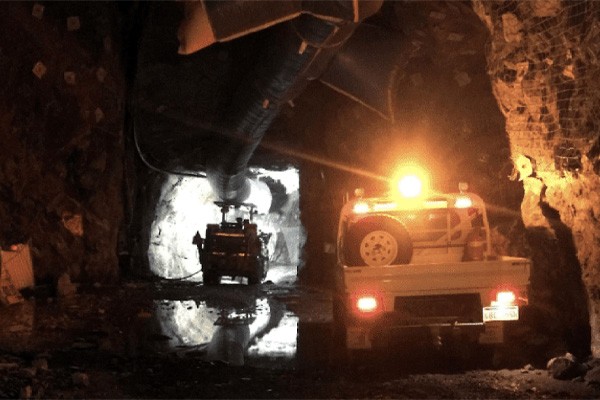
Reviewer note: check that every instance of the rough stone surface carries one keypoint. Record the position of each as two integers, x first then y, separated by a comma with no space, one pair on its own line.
61,165
546,84
64,286
565,367
81,379
592,377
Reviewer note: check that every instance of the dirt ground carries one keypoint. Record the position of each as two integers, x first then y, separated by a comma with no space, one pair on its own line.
159,340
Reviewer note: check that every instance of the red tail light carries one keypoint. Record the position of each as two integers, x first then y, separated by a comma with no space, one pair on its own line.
508,297
367,304
505,298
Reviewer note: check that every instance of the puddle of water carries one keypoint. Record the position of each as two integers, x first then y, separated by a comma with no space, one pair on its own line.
278,342
239,324
233,328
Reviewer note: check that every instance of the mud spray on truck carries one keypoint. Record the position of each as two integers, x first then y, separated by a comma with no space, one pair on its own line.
419,264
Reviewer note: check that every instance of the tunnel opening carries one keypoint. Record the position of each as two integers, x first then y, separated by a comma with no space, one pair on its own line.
186,205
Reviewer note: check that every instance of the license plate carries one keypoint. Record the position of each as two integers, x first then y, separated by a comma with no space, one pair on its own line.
506,313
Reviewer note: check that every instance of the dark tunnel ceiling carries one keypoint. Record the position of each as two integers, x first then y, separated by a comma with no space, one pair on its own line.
180,100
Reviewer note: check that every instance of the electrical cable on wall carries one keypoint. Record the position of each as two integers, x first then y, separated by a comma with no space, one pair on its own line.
149,164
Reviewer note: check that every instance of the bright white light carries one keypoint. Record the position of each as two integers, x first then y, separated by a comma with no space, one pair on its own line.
281,274
280,341
360,208
260,196
185,206
288,178
463,202
505,298
187,323
410,181
385,207
262,314
366,304
436,204
410,186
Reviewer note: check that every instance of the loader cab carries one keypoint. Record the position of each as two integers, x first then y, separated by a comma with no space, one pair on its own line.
233,248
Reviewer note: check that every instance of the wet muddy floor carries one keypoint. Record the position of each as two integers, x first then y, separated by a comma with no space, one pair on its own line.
174,339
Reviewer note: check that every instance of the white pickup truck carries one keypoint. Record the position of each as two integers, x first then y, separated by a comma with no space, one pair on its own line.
422,266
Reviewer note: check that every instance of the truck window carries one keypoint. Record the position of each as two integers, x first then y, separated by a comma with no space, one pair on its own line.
341,239
430,225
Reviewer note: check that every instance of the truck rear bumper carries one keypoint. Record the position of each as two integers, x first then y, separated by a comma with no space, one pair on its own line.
380,336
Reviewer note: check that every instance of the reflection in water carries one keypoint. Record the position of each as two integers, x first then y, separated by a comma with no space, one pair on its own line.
186,322
235,330
225,332
279,341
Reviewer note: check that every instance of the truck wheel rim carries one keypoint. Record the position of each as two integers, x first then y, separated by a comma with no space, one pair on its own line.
378,248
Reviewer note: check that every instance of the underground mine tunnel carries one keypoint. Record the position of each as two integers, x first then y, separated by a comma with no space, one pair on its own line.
122,123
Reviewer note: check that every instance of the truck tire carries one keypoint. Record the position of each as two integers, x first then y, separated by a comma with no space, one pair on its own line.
378,241
339,353
253,279
340,356
256,277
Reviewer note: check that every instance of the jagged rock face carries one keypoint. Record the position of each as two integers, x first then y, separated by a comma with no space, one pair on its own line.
61,121
544,66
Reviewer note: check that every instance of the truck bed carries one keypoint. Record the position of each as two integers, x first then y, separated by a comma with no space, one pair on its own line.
447,278
439,297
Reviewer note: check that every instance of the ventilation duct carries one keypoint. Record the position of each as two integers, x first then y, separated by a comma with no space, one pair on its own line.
297,52
356,73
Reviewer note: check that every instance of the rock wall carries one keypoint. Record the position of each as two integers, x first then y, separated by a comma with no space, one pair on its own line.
543,61
61,121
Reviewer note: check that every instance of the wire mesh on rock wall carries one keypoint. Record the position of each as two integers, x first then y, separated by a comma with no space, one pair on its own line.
544,64
546,68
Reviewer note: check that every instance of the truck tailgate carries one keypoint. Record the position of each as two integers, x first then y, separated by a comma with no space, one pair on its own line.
420,279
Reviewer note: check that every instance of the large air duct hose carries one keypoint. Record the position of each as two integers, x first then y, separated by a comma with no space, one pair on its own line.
298,51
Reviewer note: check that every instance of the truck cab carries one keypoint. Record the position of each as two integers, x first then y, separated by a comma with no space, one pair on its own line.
421,265
447,227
